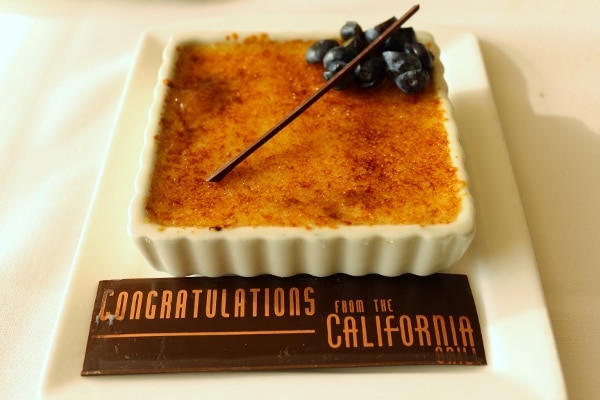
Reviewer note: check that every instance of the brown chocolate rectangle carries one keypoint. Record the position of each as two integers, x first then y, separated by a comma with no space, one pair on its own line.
266,322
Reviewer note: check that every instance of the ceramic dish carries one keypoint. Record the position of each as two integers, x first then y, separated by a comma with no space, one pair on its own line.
284,251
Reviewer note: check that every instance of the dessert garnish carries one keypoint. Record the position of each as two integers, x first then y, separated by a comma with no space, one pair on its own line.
335,78
401,57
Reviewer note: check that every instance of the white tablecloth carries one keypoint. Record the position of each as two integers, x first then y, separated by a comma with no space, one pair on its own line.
63,65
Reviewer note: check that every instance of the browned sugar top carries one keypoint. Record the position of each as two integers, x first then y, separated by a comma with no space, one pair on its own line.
356,157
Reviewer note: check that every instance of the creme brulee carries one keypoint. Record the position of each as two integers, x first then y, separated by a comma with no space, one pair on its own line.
357,157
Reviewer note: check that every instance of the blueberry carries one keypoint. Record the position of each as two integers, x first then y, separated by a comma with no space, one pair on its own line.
357,44
370,72
339,54
413,81
350,30
421,51
398,63
407,62
372,33
398,40
344,82
317,50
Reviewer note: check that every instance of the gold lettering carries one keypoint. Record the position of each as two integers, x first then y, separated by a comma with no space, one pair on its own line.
336,321
240,303
103,313
383,305
196,293
458,355
150,308
266,302
365,341
474,354
462,355
308,299
378,326
423,330
350,332
211,303
466,331
439,355
121,307
254,292
181,303
406,331
136,305
360,306
294,301
224,312
350,306
279,302
165,304
450,357
439,327
388,329
453,330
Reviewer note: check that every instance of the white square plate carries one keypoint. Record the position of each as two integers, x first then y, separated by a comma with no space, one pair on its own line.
520,348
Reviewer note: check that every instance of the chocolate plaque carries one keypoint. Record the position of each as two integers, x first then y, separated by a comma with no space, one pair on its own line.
266,322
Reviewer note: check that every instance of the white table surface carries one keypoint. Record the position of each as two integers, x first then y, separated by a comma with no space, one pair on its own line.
63,65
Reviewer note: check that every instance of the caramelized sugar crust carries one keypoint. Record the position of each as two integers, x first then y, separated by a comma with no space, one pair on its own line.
356,157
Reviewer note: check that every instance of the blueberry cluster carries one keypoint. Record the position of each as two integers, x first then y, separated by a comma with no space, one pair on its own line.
401,57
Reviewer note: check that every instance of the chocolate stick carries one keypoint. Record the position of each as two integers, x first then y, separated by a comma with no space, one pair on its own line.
231,164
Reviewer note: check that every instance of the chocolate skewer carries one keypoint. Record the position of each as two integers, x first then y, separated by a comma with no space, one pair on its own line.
226,168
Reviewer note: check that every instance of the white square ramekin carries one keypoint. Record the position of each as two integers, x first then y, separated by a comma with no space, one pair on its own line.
388,250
